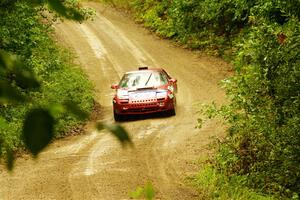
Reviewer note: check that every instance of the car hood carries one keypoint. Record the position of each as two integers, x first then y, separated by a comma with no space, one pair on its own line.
142,94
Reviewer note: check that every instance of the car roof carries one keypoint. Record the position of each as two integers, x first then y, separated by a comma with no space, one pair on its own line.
145,70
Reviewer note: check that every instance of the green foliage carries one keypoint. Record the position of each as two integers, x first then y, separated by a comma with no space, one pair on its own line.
70,9
212,184
207,24
118,131
264,110
38,130
146,192
25,98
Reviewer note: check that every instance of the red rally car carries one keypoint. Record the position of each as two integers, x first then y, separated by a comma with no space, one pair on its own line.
144,91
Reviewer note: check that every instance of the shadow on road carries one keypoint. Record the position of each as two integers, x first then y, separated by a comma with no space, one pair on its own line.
161,115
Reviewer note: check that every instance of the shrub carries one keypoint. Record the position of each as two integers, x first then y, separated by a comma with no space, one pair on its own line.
23,33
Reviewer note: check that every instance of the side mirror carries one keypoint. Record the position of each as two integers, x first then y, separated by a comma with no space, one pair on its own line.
173,80
114,86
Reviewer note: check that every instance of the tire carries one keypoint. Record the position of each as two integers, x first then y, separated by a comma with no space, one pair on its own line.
117,117
172,112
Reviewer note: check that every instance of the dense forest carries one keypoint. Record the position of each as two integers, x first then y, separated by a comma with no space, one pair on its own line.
38,78
262,41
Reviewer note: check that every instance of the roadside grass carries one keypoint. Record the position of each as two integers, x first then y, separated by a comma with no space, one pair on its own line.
212,184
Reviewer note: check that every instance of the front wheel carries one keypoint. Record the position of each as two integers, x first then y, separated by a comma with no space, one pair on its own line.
172,112
117,117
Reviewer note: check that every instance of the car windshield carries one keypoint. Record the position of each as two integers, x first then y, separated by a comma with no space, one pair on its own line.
143,79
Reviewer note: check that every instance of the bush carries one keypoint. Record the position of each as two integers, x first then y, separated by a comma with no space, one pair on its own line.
212,184
25,33
263,114
265,109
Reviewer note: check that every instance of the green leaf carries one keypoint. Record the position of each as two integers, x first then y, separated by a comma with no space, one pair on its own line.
137,193
199,123
143,192
75,110
56,110
58,6
38,130
25,79
100,126
149,191
10,158
9,94
8,152
118,131
5,60
14,66
3,123
61,9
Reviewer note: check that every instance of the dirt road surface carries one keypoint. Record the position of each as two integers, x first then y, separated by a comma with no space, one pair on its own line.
94,165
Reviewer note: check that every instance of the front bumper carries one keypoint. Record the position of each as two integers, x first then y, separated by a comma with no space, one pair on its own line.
143,106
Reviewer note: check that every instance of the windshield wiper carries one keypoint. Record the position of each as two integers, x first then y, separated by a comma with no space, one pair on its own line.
145,88
148,79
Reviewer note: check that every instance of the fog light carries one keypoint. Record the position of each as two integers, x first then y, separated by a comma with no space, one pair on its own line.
161,104
125,108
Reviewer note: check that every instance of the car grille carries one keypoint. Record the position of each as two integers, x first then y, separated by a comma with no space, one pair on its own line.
137,105
143,101
143,105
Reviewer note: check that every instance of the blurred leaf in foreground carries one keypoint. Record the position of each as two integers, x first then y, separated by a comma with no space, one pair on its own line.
75,110
13,67
61,9
25,79
9,94
117,130
6,60
38,130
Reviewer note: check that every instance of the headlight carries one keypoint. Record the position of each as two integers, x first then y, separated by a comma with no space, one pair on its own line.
123,97
171,88
122,94
161,95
